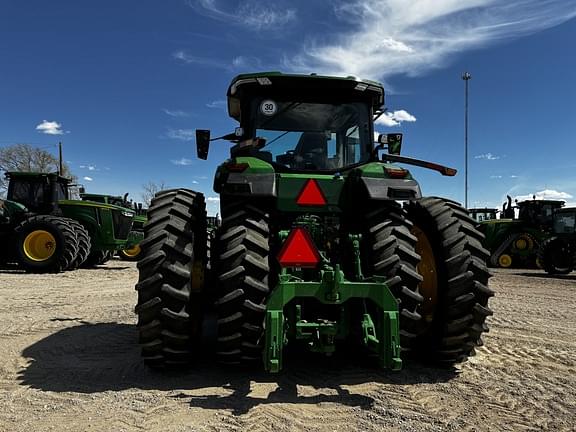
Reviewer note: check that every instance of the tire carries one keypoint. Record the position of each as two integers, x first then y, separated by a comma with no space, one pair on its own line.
84,244
389,251
171,278
242,270
453,326
556,256
95,258
46,244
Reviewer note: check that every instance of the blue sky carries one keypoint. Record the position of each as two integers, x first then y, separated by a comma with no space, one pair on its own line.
124,83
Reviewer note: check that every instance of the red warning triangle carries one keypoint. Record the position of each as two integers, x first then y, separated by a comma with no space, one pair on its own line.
299,250
311,195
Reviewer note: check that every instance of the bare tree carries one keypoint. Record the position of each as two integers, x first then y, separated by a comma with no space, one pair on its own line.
26,158
150,189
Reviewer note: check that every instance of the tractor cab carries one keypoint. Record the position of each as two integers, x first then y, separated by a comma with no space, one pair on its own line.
38,192
306,123
564,221
539,212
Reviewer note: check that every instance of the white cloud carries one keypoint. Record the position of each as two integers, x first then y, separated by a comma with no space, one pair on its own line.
88,178
495,176
50,128
487,156
203,61
213,199
181,134
513,176
253,15
388,37
236,63
395,118
176,113
90,167
244,62
546,194
220,104
182,161
195,182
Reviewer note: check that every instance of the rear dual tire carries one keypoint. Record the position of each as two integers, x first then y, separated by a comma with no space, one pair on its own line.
457,278
46,244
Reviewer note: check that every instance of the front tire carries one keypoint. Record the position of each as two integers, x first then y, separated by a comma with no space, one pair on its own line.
171,277
556,256
456,279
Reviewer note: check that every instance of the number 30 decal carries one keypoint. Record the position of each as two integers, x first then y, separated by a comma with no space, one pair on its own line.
268,107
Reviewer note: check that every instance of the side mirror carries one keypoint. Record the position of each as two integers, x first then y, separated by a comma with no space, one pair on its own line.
202,143
394,141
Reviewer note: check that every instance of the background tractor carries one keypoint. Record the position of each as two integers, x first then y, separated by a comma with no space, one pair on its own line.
315,249
483,214
133,252
514,239
47,232
557,254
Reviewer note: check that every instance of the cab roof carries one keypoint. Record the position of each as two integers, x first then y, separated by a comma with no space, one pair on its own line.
297,85
10,174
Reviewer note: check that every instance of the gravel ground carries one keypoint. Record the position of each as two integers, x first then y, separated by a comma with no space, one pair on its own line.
70,363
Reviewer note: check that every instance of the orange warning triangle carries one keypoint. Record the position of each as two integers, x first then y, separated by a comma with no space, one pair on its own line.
299,250
311,195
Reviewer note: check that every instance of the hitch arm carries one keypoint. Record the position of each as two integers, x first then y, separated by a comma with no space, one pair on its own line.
444,170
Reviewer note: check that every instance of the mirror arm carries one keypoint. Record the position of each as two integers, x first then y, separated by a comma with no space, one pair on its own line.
444,170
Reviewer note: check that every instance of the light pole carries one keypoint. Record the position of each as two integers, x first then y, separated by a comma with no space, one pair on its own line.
466,77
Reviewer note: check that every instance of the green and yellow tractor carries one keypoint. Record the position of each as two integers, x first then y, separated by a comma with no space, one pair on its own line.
132,253
514,239
325,241
43,230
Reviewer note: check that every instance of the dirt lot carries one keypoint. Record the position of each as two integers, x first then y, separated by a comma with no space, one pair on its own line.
70,363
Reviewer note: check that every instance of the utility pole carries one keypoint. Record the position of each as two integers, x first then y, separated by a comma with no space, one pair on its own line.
466,77
60,170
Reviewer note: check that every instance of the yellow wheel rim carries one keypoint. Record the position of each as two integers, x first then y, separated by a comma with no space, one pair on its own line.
521,244
539,263
39,245
505,261
427,269
132,252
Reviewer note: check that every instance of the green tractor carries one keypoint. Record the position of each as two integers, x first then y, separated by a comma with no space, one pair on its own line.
315,249
514,239
133,252
48,232
557,254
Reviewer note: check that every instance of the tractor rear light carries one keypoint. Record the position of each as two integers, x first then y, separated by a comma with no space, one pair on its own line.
236,167
299,250
396,172
311,195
